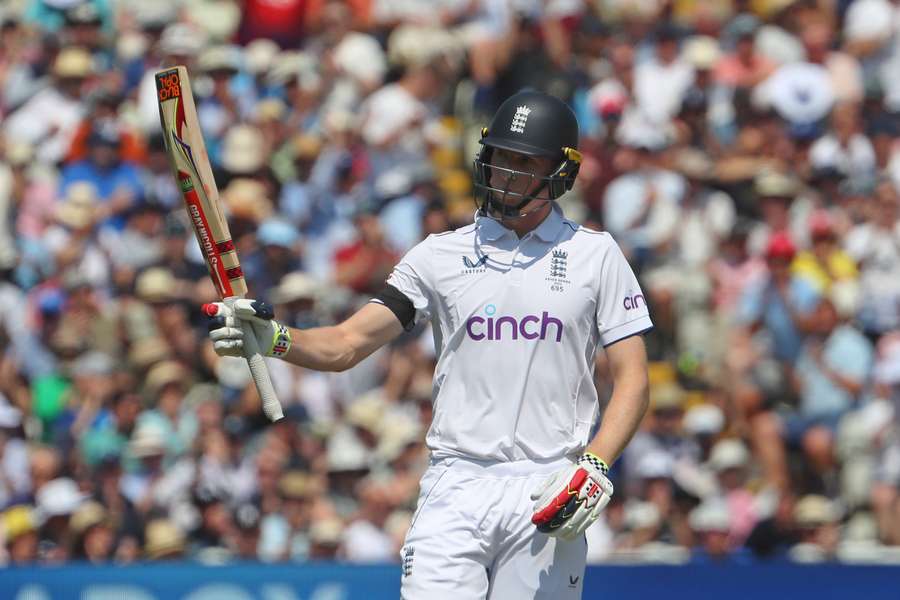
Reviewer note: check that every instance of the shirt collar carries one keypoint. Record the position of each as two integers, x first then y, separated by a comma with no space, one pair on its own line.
491,229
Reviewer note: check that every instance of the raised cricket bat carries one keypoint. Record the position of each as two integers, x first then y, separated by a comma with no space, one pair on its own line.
192,170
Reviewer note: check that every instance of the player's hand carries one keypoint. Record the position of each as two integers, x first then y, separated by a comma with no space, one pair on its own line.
228,326
571,499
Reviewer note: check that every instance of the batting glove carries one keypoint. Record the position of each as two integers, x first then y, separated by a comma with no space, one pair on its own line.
572,498
229,325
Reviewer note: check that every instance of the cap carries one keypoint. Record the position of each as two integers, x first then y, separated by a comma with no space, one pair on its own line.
395,435
728,454
712,515
655,464
156,284
780,246
164,373
772,184
59,497
259,55
360,56
93,364
608,98
162,538
814,510
345,452
641,515
367,413
17,521
244,149
821,224
222,57
182,39
247,516
277,232
702,52
73,62
18,152
297,485
148,439
295,286
666,396
104,136
85,13
87,515
306,146
744,25
247,198
326,531
154,15
79,207
412,46
270,110
704,419
148,351
639,132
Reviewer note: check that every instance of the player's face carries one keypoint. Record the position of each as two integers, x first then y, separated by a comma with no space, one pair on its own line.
518,184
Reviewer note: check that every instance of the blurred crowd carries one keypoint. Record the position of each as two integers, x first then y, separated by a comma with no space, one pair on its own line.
745,154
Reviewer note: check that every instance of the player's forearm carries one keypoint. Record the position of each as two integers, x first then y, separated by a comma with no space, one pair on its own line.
323,349
626,408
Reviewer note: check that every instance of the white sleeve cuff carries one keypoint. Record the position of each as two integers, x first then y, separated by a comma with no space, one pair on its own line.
620,332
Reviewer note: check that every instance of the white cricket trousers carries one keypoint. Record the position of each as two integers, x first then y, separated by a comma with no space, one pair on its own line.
471,537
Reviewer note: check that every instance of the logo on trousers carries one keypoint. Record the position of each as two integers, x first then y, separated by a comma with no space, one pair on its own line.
573,580
496,328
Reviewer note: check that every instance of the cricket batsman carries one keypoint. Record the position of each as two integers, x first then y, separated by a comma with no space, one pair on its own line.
520,301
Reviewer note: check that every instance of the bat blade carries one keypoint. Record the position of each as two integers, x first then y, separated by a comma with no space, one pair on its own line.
191,166
193,172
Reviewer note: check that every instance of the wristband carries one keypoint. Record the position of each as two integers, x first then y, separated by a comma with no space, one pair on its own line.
594,461
281,340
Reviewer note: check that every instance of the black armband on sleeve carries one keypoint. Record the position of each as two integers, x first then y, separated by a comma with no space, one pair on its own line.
399,304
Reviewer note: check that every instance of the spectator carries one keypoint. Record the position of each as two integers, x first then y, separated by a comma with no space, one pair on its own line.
660,83
20,535
817,520
824,264
48,120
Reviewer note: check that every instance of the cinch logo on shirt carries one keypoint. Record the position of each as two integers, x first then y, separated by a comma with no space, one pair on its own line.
529,327
632,302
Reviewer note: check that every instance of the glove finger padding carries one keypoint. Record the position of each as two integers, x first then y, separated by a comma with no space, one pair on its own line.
573,501
554,502
227,339
273,338
540,491
254,311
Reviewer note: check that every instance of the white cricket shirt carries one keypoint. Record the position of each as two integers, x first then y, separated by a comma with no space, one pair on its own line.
517,323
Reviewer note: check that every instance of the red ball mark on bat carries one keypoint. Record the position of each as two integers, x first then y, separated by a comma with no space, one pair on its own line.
210,310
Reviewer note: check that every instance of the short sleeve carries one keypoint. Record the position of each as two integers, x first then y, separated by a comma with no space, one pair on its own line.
621,306
412,276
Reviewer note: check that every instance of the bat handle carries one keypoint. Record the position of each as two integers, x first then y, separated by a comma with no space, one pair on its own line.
259,371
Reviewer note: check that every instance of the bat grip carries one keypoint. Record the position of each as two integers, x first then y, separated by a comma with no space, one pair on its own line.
259,371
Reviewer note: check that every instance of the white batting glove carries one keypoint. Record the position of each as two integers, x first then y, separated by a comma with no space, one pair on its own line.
571,499
246,317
